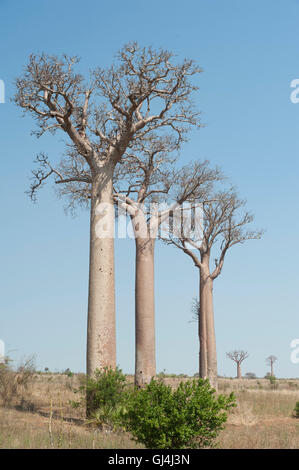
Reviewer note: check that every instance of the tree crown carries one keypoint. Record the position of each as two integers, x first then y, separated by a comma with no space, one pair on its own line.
221,223
237,355
145,91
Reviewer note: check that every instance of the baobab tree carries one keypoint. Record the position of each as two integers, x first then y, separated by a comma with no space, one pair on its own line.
238,357
145,91
154,189
270,361
223,224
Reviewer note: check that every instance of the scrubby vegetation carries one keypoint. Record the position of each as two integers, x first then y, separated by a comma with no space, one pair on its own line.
16,384
190,416
263,417
104,396
296,410
157,416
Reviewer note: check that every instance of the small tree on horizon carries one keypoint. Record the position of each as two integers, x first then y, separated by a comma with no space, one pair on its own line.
238,356
250,375
270,362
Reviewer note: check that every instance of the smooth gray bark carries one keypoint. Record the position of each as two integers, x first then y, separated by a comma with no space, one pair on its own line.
208,353
101,341
145,353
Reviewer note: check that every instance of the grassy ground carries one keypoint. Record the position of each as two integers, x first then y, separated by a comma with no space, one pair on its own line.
262,419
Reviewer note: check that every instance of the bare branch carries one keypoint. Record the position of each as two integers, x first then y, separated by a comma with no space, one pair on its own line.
237,356
70,172
109,116
221,222
270,360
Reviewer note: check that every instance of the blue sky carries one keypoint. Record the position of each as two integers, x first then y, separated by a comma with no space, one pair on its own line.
249,52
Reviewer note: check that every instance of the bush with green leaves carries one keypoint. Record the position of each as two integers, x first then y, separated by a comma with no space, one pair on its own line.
273,382
189,417
296,410
68,372
104,395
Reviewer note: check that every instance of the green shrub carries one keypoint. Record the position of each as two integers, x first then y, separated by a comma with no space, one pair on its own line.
273,382
189,417
106,387
104,395
296,410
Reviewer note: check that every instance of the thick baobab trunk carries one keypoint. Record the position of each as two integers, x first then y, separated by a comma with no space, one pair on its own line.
211,337
272,371
207,329
239,374
202,333
101,342
145,354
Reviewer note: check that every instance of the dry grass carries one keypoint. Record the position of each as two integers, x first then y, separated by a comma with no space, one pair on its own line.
262,418
54,423
32,431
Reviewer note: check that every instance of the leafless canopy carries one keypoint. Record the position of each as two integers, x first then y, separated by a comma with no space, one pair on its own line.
144,92
223,224
270,360
150,177
146,173
147,177
237,356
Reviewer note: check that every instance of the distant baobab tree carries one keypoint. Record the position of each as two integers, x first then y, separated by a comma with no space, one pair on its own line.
238,356
270,361
223,225
144,92
153,190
